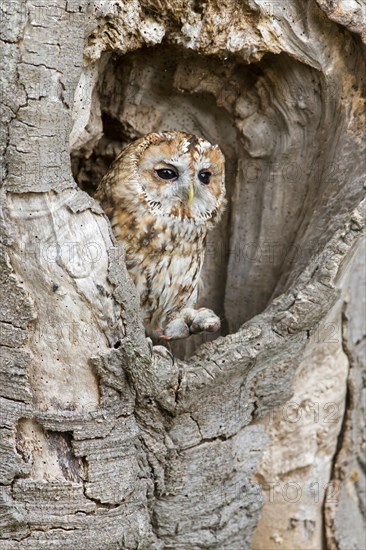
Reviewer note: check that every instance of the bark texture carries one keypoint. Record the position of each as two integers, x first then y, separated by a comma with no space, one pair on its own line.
254,439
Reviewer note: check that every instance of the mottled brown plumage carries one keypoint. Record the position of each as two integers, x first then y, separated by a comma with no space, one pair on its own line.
162,194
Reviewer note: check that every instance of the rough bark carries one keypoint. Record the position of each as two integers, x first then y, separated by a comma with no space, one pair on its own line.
257,433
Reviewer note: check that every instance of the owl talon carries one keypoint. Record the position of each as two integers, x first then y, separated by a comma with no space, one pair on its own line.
151,346
164,353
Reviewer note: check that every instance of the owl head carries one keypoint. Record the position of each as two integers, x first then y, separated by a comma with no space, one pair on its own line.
178,175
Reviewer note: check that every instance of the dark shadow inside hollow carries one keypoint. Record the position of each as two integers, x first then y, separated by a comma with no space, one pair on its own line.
269,120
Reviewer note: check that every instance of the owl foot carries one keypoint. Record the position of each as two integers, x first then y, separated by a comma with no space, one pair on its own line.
191,321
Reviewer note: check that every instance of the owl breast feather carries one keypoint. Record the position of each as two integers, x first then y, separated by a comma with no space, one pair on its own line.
164,257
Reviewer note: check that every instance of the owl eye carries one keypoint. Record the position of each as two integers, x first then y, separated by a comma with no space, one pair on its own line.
204,177
167,173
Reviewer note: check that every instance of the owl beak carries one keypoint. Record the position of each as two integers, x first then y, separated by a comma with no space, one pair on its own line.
190,194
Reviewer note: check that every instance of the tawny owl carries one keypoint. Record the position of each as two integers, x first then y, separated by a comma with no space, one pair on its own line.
162,194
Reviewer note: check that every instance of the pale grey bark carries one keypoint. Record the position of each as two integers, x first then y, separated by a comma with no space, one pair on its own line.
102,447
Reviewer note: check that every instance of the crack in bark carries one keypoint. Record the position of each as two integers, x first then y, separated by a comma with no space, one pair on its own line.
156,492
179,385
330,541
99,504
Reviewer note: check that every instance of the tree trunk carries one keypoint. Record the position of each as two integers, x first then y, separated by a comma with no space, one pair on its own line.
253,439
